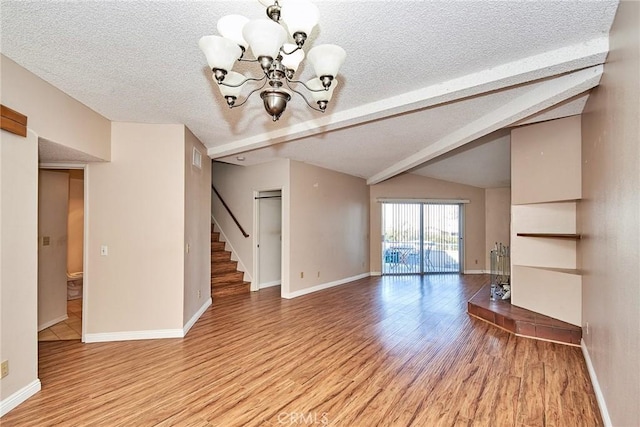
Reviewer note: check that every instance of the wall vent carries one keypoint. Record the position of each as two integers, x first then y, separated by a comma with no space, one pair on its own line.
197,158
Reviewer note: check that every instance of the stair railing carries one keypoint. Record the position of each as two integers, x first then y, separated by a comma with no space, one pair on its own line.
244,233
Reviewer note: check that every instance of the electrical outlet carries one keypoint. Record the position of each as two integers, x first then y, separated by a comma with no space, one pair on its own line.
318,274
586,327
302,274
199,294
4,369
476,261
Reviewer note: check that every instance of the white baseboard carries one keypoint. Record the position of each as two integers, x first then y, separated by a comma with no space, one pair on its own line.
19,396
322,286
375,273
476,272
45,325
270,284
195,317
606,419
133,335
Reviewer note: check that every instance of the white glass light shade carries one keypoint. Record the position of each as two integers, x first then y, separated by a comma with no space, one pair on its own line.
267,3
230,27
232,78
326,59
264,36
220,52
323,95
300,16
293,60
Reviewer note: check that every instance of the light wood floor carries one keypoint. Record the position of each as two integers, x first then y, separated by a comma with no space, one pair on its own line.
391,351
70,329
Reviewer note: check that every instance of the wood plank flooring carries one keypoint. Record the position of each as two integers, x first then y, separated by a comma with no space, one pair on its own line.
382,351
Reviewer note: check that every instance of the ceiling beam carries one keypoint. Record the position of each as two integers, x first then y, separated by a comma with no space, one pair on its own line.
541,96
532,68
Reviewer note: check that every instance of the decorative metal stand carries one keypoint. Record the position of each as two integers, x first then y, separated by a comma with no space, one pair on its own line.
500,273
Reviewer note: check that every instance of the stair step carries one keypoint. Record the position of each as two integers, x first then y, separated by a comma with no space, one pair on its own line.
215,236
223,267
231,289
220,256
217,246
230,277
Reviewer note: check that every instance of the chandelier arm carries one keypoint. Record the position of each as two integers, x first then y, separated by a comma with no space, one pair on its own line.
303,84
302,96
246,60
248,79
249,95
289,53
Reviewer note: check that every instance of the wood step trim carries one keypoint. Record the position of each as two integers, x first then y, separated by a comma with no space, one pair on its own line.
521,321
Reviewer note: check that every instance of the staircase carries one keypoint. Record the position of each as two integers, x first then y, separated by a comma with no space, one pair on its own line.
225,277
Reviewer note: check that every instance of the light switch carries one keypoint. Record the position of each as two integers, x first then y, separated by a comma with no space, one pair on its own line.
104,250
46,241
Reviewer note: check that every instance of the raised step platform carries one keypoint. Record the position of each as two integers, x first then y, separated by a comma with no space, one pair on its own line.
521,321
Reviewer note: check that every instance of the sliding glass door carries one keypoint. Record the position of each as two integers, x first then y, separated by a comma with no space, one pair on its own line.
420,238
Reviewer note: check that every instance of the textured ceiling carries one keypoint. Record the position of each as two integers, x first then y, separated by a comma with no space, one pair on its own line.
418,74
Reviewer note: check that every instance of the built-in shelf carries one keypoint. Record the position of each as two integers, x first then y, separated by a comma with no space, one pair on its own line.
556,270
552,235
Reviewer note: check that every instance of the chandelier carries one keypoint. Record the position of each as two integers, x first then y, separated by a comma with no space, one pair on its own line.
277,58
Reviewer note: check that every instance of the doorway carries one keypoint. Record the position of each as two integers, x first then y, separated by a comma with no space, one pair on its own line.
267,239
421,237
60,253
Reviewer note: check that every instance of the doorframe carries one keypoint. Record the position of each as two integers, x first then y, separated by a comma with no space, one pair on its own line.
85,232
255,284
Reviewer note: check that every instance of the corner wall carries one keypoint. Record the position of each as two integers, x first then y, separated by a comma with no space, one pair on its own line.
136,208
498,220
197,229
18,267
329,228
609,217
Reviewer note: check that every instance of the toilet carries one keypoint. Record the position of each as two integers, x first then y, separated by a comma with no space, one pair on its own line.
74,285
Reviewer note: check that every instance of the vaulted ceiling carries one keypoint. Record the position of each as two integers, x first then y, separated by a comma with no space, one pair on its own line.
429,87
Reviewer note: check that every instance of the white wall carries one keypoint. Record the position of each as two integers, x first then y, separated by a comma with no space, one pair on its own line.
497,219
18,267
236,185
75,223
269,251
136,209
53,203
197,228
609,218
54,115
329,228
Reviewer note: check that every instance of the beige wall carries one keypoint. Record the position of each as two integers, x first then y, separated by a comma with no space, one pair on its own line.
545,182
53,203
197,228
136,208
329,226
416,186
53,114
609,220
18,263
545,161
236,185
75,223
498,219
